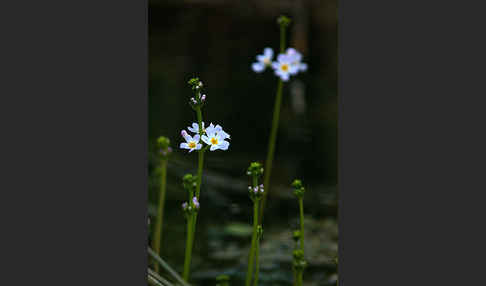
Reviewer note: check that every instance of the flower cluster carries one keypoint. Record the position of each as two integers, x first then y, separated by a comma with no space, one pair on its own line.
299,262
256,192
287,64
214,136
190,207
163,145
189,182
199,99
255,169
299,190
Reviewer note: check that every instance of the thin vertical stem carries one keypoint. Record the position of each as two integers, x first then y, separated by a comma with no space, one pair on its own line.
160,213
188,254
300,277
273,131
257,261
192,222
301,208
253,241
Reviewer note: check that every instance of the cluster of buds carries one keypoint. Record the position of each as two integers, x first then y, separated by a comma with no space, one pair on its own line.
222,280
199,98
256,192
283,21
299,262
299,190
255,169
163,145
259,232
189,182
296,235
190,207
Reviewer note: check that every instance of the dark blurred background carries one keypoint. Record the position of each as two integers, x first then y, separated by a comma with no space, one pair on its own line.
217,41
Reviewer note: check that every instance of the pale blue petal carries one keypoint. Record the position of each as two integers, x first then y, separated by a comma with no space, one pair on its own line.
261,58
188,137
257,67
284,76
205,139
184,146
196,138
294,69
303,67
283,58
198,146
275,65
213,147
268,52
224,145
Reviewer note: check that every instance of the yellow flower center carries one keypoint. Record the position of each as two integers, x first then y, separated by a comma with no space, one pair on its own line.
214,141
192,145
266,61
285,67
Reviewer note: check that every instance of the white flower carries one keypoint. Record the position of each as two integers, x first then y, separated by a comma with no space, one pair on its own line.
192,143
215,139
195,127
264,60
283,67
296,59
217,129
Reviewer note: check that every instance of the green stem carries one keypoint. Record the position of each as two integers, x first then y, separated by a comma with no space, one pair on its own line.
301,208
273,132
188,254
192,222
160,214
271,145
300,277
253,241
257,261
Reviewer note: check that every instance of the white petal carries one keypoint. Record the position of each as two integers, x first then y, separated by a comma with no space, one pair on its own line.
224,135
190,150
283,58
187,137
294,69
260,58
284,76
291,51
275,65
224,145
218,128
213,147
268,52
205,139
257,67
198,146
303,66
184,146
192,129
196,138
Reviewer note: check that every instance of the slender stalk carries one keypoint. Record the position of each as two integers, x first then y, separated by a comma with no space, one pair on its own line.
160,215
253,242
167,267
192,221
273,131
257,261
188,253
300,274
162,280
301,208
